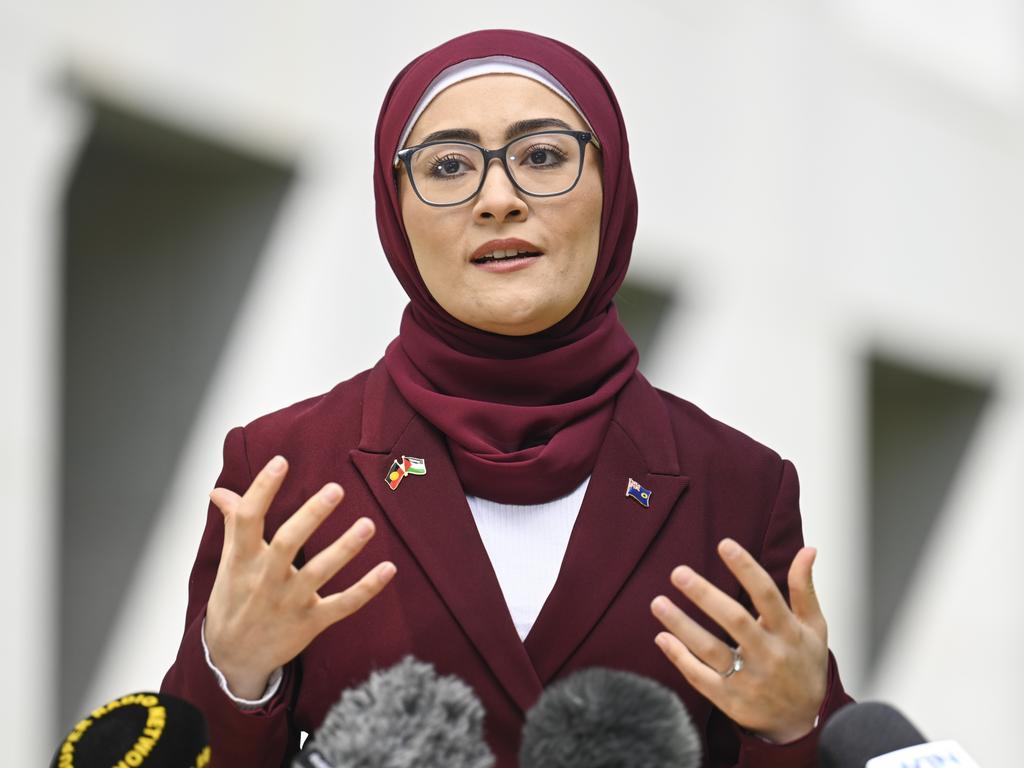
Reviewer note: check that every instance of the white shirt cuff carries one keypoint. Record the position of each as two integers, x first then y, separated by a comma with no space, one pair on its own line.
813,728
245,704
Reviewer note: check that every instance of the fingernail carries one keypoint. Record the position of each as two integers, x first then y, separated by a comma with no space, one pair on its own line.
659,605
682,575
276,465
363,528
661,640
331,493
730,548
387,570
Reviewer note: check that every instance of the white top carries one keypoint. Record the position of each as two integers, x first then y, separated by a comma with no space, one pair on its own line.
526,544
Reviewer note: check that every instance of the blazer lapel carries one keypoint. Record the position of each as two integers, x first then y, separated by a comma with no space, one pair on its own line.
432,518
612,531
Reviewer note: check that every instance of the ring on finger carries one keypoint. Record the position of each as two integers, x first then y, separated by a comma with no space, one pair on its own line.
736,666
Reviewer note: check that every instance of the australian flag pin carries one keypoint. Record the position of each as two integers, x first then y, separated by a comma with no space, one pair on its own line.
407,465
636,491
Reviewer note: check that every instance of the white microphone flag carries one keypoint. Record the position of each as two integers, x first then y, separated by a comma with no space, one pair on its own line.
934,754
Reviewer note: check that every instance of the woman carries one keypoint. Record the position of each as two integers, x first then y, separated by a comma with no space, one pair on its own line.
517,497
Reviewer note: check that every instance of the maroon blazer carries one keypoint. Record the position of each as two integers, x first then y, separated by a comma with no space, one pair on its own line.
445,606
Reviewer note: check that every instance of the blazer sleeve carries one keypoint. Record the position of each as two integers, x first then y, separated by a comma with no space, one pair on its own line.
783,538
261,738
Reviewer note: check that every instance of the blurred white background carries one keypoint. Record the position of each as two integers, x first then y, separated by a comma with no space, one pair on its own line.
831,195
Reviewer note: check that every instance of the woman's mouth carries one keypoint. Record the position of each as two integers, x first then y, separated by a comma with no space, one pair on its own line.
505,255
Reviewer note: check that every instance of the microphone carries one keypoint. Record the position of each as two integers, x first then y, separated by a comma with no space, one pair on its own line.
141,729
403,717
603,718
871,734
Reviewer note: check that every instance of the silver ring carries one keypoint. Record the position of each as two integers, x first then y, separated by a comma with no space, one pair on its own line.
736,666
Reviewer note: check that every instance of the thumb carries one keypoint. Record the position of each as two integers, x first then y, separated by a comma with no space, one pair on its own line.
225,500
802,596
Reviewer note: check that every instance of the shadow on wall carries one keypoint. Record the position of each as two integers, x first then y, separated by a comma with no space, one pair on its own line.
162,232
921,425
643,308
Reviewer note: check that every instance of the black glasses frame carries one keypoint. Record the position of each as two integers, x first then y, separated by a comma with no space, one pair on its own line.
404,157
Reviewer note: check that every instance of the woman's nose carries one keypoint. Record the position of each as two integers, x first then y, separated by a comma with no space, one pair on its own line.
498,198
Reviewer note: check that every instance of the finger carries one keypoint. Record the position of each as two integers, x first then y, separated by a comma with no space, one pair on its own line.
764,593
707,682
724,610
701,643
294,531
802,594
227,502
341,605
322,567
248,518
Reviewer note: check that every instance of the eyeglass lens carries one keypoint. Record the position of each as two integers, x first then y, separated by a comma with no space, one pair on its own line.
541,164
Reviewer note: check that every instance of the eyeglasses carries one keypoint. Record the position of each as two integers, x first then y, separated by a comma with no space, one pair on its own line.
544,164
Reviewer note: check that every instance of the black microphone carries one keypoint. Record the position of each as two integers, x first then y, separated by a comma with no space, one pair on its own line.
402,717
876,734
603,718
151,730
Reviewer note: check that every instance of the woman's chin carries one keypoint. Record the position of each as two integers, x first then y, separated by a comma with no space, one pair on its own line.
515,323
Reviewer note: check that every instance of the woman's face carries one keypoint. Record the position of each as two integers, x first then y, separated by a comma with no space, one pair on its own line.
523,295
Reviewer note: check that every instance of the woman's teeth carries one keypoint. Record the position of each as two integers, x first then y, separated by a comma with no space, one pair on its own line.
498,255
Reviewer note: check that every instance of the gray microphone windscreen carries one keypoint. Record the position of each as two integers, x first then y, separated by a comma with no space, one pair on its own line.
603,718
863,730
402,717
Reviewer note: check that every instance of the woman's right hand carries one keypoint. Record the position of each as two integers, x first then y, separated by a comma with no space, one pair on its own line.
263,611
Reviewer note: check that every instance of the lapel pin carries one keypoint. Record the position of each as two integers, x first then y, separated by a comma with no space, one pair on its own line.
636,491
407,465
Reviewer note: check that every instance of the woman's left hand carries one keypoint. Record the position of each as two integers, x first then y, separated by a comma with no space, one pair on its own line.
780,688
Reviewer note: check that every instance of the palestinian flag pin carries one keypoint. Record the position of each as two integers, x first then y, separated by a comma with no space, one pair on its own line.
407,465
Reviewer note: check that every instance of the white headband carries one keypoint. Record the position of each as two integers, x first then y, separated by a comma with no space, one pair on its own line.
488,65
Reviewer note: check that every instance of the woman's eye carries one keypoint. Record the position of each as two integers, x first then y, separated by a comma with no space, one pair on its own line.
448,167
543,157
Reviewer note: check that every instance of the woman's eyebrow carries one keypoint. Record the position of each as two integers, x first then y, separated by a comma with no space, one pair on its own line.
451,134
518,128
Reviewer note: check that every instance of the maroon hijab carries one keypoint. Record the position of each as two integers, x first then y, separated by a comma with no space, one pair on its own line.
524,416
